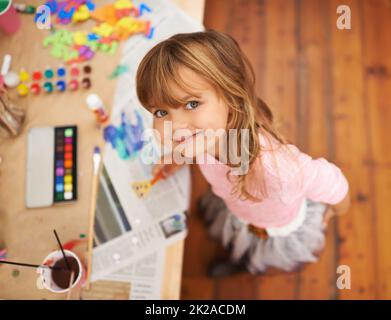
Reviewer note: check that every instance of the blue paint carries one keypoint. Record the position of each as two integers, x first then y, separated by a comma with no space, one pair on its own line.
92,37
90,5
65,15
53,6
126,138
143,7
61,71
151,32
61,85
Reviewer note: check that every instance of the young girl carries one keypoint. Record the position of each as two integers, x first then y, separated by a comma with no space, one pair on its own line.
272,215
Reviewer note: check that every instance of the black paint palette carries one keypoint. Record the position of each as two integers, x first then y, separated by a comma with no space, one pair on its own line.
51,166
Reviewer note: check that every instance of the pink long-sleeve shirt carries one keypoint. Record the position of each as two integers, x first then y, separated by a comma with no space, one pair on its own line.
289,178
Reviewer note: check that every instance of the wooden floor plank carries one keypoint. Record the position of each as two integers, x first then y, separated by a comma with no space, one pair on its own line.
280,76
200,250
356,245
245,19
317,281
376,25
330,90
198,288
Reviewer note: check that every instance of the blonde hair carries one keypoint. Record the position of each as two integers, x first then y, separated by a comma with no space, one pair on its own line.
218,59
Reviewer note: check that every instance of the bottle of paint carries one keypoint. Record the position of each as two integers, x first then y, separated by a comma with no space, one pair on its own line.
95,104
24,8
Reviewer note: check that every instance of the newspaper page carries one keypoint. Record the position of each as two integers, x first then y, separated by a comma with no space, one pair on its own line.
128,228
132,232
145,276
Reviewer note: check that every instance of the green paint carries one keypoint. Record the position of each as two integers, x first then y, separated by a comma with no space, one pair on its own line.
15,273
68,132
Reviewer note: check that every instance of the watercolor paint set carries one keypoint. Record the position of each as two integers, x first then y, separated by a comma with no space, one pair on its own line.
51,166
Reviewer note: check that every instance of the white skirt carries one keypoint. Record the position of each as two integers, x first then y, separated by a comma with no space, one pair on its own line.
286,249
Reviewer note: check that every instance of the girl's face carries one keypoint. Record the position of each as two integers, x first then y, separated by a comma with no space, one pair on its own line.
190,121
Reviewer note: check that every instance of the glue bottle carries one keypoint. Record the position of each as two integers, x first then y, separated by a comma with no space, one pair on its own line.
95,104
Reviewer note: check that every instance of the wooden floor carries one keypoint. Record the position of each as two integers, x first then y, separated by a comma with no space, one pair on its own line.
331,90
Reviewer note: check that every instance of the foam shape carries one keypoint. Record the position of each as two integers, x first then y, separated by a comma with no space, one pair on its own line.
53,6
80,38
90,5
89,54
81,14
113,47
120,13
105,14
105,47
128,26
58,50
61,5
92,36
70,55
63,21
123,4
64,14
64,37
93,45
104,29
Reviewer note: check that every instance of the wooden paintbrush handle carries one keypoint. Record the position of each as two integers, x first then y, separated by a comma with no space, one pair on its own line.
91,221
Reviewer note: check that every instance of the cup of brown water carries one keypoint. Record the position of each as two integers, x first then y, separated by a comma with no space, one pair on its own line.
58,277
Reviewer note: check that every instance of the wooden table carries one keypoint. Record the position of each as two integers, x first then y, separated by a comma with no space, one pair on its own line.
28,233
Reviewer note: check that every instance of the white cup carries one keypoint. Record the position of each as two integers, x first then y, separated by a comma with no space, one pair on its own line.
45,279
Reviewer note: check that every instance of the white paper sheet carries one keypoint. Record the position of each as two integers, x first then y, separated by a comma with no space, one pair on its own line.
136,231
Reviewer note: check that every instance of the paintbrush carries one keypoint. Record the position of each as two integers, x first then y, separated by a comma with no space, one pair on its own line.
62,250
96,159
70,286
142,188
30,265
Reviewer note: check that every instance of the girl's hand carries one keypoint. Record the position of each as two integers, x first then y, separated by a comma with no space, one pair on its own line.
330,212
337,209
168,169
328,215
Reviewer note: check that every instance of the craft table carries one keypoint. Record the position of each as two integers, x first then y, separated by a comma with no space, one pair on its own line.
28,233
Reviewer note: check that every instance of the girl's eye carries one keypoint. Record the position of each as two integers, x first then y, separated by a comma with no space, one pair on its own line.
192,105
160,113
